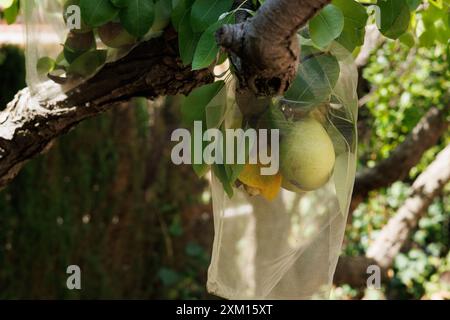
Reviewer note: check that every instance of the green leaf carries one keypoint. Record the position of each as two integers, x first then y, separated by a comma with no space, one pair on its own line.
168,277
316,78
393,17
163,10
216,109
427,38
78,43
221,173
11,12
97,13
88,63
355,20
181,8
45,65
234,171
187,40
137,18
207,48
326,26
436,23
407,39
206,12
200,169
120,3
277,119
354,12
351,37
413,4
194,250
194,106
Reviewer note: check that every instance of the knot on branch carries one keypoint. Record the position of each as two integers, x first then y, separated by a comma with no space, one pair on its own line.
264,66
265,48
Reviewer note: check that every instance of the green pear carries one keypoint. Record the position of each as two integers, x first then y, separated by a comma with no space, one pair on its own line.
307,156
115,36
78,43
290,187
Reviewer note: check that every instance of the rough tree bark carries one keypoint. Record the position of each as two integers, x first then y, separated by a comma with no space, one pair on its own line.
397,166
31,121
153,69
267,44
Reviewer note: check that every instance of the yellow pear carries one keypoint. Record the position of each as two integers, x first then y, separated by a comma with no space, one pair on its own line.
267,186
307,155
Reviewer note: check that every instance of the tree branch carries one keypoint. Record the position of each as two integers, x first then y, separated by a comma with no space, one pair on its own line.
393,237
396,233
408,154
31,121
267,44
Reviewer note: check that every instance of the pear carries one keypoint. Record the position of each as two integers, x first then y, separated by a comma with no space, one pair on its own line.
290,187
78,43
115,36
307,156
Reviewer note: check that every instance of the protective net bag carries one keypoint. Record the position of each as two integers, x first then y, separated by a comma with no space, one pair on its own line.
68,41
279,236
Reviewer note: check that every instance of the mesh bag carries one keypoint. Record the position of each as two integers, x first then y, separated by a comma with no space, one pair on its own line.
284,243
65,49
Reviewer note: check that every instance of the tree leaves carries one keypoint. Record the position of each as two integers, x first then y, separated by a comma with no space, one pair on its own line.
326,26
393,17
163,10
97,13
88,63
206,12
194,106
355,19
10,10
137,17
436,22
315,81
413,4
181,8
207,48
45,65
187,40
